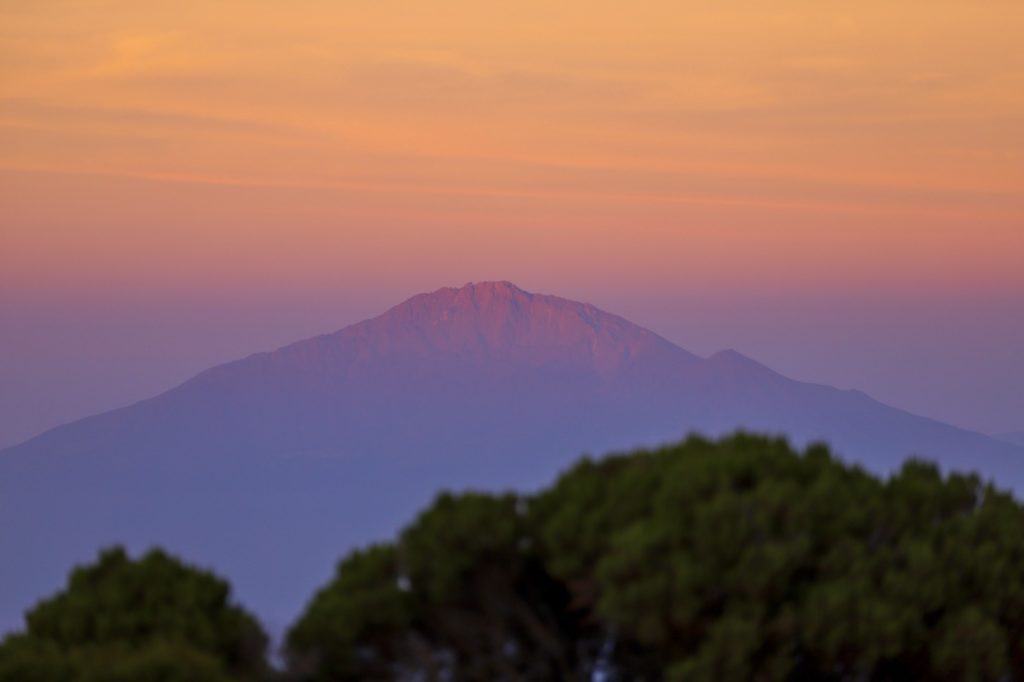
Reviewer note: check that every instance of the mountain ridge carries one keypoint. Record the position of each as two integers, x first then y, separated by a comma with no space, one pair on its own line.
271,466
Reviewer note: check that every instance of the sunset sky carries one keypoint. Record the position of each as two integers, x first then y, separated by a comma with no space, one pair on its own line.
834,188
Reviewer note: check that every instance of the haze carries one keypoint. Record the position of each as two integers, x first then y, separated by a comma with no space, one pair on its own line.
835,189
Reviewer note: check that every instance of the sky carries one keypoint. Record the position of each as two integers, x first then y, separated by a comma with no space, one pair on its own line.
835,189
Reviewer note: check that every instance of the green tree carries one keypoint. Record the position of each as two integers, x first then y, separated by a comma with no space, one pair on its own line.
357,627
740,559
463,595
154,618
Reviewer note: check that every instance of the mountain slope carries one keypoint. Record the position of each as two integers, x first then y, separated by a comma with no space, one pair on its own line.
272,466
1013,437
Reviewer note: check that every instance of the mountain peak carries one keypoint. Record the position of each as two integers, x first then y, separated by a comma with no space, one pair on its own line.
502,288
496,289
483,294
482,322
497,319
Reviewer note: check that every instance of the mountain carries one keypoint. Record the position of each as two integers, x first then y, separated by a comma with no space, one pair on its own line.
270,467
1014,437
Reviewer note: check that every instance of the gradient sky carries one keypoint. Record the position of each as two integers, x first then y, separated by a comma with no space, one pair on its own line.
834,188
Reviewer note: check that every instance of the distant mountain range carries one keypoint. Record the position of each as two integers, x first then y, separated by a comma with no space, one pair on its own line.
270,467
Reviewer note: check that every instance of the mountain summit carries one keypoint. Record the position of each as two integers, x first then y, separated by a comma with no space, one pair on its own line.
490,322
498,320
272,466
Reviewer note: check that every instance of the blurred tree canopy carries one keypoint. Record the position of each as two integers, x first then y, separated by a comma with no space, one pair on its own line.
708,561
703,561
121,619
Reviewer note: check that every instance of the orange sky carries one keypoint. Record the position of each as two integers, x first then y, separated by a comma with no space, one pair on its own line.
844,145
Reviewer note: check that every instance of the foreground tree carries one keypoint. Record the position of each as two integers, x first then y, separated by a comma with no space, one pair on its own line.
463,595
736,560
154,618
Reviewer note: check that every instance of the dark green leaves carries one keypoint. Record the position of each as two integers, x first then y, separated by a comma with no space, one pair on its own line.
736,560
154,618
